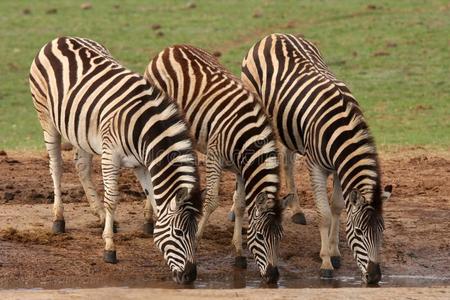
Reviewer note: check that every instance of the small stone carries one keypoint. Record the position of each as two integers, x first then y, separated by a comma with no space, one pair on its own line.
66,147
191,5
257,14
391,45
12,161
86,5
36,196
381,53
26,11
160,34
290,25
50,197
116,6
3,153
8,196
51,11
13,66
371,7
156,26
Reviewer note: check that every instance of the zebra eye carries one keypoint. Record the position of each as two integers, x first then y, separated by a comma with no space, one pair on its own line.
358,231
259,236
178,232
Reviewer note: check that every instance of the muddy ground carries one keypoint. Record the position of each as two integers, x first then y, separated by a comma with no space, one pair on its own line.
417,236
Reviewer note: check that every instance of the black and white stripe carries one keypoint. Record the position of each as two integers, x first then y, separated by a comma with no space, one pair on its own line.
316,115
85,96
229,126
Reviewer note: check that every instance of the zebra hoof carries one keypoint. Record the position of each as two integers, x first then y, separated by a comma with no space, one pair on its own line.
240,262
110,257
148,229
336,262
59,226
326,273
299,218
231,216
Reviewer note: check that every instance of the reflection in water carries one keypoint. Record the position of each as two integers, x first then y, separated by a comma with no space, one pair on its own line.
238,279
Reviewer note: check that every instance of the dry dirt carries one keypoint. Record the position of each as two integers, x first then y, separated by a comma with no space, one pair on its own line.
417,220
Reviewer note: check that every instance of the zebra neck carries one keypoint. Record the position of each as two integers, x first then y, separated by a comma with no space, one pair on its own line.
170,175
360,172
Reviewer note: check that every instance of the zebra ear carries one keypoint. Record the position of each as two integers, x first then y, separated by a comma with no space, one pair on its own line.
355,197
203,194
287,201
182,195
386,193
261,201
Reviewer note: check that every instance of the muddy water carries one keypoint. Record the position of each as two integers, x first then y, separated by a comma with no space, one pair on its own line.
238,280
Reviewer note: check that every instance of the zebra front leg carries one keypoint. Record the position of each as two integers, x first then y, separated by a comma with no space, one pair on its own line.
240,260
53,144
337,205
211,201
319,183
231,214
83,164
110,172
143,176
288,166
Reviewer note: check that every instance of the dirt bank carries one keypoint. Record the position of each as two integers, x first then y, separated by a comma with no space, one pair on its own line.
125,293
416,238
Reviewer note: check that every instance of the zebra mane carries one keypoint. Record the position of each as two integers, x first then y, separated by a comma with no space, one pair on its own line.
368,149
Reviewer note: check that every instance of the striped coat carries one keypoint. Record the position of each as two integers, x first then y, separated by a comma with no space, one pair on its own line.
85,96
316,115
229,126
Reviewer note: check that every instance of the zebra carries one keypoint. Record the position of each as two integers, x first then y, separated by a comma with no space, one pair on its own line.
316,115
85,96
228,125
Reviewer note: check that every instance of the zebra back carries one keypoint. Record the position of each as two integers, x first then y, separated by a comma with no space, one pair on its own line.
313,112
86,96
222,114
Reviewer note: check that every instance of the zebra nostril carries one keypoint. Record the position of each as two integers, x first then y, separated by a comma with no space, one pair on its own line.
272,275
189,274
373,274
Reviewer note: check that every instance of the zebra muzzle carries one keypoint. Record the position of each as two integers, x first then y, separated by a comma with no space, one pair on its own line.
373,275
187,276
272,275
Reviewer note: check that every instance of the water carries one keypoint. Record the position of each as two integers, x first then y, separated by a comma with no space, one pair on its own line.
239,280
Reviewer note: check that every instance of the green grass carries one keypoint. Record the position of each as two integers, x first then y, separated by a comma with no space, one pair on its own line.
405,94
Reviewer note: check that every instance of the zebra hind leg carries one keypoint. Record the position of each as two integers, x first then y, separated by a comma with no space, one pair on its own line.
211,201
83,164
231,214
337,205
319,183
143,176
110,172
240,260
53,144
288,166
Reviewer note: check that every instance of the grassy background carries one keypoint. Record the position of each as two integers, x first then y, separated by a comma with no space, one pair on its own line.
394,55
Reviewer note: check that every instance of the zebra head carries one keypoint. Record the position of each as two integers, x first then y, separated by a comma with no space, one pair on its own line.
264,234
174,235
364,231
